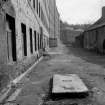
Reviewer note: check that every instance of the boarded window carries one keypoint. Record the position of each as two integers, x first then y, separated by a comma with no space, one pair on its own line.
35,40
31,41
34,4
23,27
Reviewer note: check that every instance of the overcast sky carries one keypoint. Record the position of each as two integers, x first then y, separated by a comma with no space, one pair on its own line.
80,11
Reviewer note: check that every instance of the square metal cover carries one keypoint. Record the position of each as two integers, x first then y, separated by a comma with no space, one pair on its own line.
70,83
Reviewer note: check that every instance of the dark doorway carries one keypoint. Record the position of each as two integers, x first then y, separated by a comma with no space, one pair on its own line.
38,41
104,44
35,40
31,42
11,38
23,27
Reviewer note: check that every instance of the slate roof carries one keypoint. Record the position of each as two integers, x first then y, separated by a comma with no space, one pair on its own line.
98,23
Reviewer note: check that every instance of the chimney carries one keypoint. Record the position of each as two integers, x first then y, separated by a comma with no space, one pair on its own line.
103,12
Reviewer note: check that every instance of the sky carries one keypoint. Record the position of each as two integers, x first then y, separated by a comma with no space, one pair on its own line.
80,11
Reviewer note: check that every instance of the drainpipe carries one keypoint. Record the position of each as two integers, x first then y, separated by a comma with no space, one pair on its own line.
54,19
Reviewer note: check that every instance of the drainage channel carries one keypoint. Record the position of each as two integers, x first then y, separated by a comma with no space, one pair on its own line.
14,88
12,99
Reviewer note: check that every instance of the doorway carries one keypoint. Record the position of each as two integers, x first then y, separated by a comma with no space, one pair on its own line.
31,41
104,45
23,28
35,40
11,38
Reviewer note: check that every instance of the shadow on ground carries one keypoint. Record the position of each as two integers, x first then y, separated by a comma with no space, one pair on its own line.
89,56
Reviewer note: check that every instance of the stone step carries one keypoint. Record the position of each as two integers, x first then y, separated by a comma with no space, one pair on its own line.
70,83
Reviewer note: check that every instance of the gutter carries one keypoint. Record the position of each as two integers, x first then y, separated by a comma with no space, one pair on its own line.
13,86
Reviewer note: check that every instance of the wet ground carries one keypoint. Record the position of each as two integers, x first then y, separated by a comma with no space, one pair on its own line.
65,60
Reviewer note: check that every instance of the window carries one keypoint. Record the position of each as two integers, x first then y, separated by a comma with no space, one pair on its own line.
38,41
35,40
31,42
37,6
23,28
34,4
39,9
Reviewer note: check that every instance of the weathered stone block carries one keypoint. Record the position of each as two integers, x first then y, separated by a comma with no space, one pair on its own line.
70,83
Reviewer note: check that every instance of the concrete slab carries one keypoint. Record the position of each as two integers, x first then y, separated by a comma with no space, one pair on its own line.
68,84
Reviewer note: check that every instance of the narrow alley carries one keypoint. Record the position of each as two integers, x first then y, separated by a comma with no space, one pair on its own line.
51,47
65,60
